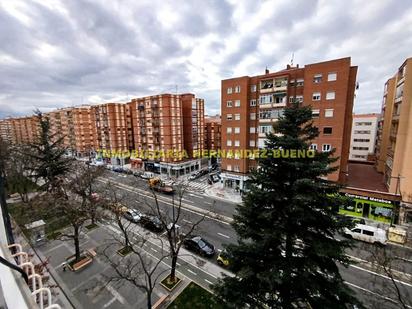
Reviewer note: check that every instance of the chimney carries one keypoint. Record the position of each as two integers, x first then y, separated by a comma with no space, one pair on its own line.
288,67
266,70
297,65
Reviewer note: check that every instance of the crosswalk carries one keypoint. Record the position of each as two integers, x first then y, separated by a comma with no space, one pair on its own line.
195,185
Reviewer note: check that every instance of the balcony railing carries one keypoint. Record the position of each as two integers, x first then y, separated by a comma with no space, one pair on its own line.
40,295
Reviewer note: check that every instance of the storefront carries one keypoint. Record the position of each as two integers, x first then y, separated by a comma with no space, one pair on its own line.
371,207
236,182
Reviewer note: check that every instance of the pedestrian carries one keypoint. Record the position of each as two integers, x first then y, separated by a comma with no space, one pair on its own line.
64,266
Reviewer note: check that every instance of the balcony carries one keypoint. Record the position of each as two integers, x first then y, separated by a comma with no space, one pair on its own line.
268,120
17,292
399,99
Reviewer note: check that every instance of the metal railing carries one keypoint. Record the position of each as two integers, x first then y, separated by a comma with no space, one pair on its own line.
41,295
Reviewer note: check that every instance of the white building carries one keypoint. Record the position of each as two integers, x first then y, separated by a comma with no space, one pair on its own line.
364,129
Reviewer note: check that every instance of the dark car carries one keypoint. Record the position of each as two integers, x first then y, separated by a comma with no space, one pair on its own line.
200,245
117,169
353,220
151,223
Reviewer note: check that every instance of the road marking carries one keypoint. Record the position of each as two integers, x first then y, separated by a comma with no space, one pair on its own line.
223,235
154,250
209,203
186,207
192,272
178,264
380,275
403,259
109,302
208,281
373,293
187,221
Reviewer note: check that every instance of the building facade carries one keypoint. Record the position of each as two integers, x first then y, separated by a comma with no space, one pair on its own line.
167,130
394,143
213,133
364,129
251,105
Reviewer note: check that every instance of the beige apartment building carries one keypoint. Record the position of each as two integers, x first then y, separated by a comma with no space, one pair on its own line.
364,130
394,143
251,105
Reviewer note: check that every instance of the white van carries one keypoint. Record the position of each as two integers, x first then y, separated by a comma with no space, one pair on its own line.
367,233
147,175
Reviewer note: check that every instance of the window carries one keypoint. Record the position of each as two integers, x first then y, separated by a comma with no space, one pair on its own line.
237,89
316,96
228,142
327,130
252,116
362,132
252,130
299,98
237,169
332,77
280,99
315,113
313,147
265,129
229,116
237,155
229,167
362,140
291,99
299,82
229,104
317,78
229,90
237,143
266,99
360,148
330,95
326,147
329,113
229,130
368,233
237,103
237,130
358,156
252,143
363,123
253,88
237,116
253,102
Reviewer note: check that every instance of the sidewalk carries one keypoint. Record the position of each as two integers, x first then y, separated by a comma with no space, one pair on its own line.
217,191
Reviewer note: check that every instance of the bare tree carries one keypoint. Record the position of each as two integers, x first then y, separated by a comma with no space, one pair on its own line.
132,264
392,262
174,223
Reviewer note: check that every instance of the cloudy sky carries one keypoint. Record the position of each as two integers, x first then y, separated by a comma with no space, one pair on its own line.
63,53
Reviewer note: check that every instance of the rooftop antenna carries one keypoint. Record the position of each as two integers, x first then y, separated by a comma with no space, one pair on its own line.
291,60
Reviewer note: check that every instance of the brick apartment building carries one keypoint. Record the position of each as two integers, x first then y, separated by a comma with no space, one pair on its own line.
213,132
364,129
166,122
22,130
251,105
394,141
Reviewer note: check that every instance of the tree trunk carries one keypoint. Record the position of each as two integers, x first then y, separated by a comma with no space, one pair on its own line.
76,242
173,270
149,300
287,298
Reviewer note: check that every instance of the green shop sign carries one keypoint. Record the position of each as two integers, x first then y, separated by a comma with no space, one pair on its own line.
369,207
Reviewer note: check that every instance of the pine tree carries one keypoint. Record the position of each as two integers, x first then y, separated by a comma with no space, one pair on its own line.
48,153
286,253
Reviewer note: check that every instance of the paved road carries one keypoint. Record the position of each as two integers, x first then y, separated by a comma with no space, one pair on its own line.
372,286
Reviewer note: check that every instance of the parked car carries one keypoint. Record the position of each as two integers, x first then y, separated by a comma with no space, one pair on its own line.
151,223
137,173
193,176
117,169
147,175
200,245
133,215
367,233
